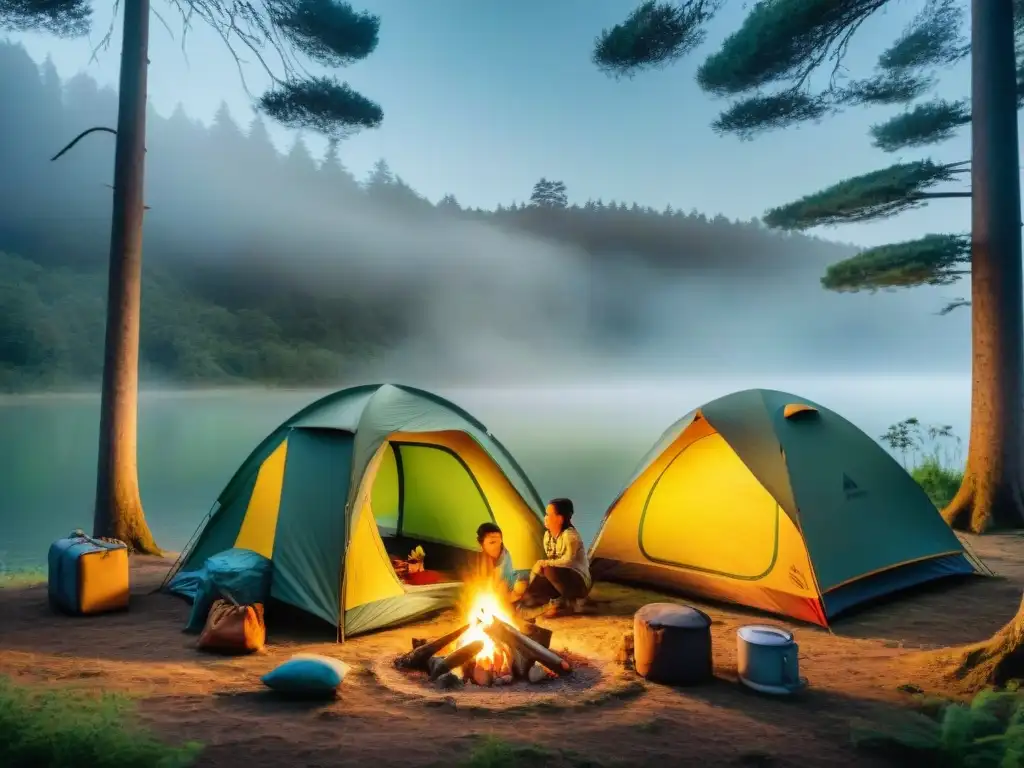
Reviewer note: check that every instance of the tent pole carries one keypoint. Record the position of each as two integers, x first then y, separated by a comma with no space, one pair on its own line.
344,570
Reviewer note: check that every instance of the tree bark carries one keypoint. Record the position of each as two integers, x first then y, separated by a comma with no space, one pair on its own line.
990,496
118,512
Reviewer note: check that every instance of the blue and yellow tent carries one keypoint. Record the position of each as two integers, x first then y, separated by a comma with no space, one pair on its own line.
323,493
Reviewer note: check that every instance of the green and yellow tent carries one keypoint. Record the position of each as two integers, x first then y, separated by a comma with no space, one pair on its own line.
769,500
358,473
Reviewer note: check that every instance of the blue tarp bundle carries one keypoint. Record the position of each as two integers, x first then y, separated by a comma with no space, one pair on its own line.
238,574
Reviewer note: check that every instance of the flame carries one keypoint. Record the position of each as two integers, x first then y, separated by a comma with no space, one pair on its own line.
484,606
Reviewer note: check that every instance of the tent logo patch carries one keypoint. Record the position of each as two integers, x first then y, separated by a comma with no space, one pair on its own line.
850,489
797,577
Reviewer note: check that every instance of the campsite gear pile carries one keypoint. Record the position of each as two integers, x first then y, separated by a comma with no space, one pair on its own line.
518,655
767,659
233,628
412,569
769,500
87,575
672,644
237,575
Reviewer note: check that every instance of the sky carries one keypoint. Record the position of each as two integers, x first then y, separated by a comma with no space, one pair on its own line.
482,98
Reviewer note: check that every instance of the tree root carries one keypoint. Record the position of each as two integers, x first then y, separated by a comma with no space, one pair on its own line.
995,661
959,513
128,524
992,508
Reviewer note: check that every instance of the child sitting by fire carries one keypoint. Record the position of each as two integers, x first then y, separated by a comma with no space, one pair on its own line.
563,579
496,562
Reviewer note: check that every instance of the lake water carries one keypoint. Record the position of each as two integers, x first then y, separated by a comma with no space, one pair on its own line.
579,441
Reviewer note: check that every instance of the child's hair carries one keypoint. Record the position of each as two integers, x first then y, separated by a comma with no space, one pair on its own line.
484,530
564,508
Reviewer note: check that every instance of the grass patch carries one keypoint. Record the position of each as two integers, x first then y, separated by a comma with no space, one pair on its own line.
493,752
986,733
21,577
939,481
63,728
932,455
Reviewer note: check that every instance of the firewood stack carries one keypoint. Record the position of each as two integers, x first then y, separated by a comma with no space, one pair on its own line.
519,655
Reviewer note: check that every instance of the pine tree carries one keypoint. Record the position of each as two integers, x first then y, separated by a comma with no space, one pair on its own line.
782,44
549,194
323,31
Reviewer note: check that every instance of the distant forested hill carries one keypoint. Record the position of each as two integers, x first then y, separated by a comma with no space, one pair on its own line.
232,220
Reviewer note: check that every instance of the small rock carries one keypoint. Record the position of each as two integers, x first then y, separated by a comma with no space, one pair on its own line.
448,681
537,674
503,680
434,665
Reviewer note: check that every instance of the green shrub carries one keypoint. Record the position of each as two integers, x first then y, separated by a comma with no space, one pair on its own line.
987,733
932,455
493,752
939,481
62,728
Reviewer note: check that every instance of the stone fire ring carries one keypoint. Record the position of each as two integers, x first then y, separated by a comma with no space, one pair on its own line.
590,680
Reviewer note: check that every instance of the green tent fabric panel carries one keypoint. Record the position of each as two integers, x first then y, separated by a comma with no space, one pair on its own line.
861,512
441,500
222,528
310,542
744,420
241,482
385,498
406,409
339,410
419,601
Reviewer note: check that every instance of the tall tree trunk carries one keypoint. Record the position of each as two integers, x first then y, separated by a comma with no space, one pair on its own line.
990,496
118,511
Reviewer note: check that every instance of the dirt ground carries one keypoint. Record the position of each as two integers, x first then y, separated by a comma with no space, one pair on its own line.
854,671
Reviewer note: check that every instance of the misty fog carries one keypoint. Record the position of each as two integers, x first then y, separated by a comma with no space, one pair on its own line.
480,302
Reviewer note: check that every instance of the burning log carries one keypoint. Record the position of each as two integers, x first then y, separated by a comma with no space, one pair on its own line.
503,664
538,634
483,674
419,657
418,641
512,638
455,659
520,664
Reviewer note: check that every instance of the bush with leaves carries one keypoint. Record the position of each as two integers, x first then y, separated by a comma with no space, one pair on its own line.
986,733
932,455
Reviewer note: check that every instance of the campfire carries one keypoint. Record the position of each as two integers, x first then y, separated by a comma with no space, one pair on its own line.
491,648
